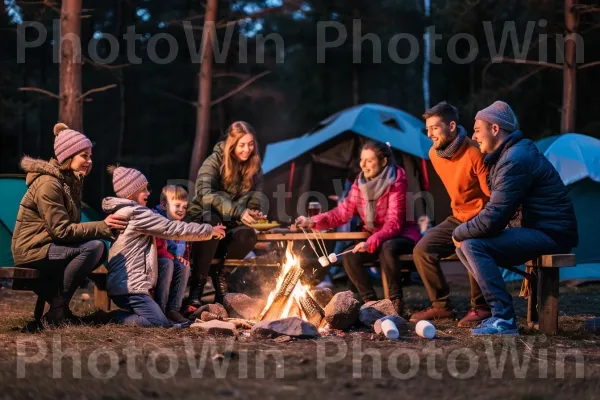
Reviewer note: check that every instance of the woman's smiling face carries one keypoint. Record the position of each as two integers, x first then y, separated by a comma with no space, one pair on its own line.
244,148
370,164
82,162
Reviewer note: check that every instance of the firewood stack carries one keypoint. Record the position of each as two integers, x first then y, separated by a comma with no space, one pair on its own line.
313,311
291,278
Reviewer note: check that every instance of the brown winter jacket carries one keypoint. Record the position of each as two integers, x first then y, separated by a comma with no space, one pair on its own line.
50,212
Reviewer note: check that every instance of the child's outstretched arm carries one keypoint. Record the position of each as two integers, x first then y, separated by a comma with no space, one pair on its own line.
145,221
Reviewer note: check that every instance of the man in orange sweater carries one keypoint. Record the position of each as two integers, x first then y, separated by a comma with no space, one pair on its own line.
459,163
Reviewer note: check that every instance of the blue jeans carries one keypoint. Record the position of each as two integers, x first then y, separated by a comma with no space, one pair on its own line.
170,288
67,265
483,256
139,310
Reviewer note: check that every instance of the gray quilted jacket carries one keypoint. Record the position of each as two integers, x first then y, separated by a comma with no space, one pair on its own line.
132,260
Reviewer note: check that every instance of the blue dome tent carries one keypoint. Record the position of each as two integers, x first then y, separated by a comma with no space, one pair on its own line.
331,151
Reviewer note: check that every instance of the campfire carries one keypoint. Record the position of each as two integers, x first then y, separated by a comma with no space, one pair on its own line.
290,298
296,311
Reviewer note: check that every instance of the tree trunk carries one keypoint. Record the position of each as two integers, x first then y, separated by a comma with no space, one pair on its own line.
70,109
426,64
201,140
125,14
567,123
355,75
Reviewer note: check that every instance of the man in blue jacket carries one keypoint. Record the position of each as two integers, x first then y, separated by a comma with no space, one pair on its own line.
523,185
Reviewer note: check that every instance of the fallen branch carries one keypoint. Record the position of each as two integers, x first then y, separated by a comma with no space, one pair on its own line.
100,89
38,90
239,88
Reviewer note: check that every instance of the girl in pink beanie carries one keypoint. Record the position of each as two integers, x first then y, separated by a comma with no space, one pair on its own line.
133,259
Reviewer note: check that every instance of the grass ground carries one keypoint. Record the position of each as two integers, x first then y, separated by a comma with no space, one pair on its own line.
129,363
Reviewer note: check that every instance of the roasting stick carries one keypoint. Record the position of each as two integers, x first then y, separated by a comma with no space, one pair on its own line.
322,247
322,240
310,242
345,252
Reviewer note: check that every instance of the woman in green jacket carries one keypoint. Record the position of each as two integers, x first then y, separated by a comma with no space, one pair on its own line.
49,235
228,191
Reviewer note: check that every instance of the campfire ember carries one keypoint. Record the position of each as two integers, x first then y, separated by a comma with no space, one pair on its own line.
290,298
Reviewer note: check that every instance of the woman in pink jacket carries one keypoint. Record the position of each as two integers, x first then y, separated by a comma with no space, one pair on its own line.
378,196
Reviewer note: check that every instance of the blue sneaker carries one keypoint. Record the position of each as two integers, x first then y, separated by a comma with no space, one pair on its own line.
497,326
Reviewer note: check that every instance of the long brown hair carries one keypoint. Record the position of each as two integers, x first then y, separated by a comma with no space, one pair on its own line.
232,168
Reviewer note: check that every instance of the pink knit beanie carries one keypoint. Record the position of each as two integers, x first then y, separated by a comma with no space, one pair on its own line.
68,142
126,181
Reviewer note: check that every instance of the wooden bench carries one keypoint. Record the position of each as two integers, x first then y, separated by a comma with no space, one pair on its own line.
544,280
17,278
24,279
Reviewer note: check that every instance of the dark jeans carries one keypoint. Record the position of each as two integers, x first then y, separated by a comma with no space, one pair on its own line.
512,247
387,254
172,279
238,242
66,267
139,310
435,245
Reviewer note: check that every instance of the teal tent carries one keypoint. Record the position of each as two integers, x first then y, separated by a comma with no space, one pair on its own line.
13,189
576,157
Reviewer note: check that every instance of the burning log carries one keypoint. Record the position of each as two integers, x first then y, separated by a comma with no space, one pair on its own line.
282,295
313,311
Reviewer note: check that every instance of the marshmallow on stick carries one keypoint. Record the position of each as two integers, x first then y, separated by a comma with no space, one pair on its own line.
323,261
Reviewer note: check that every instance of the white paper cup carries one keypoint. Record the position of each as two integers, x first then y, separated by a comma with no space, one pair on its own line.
425,329
389,329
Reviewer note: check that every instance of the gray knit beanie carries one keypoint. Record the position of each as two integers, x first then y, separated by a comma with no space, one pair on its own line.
501,114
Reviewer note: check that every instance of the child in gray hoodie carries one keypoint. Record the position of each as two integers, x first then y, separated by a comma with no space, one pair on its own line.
132,259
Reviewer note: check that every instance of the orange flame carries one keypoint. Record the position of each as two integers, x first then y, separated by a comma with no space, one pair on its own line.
299,291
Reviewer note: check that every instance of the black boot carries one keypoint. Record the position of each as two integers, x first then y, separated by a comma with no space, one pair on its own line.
399,306
194,300
56,315
71,318
219,282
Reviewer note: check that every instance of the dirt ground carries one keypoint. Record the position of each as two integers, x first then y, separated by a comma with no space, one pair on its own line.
113,362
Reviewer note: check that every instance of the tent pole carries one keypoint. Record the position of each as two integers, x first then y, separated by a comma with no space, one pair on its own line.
290,184
425,174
